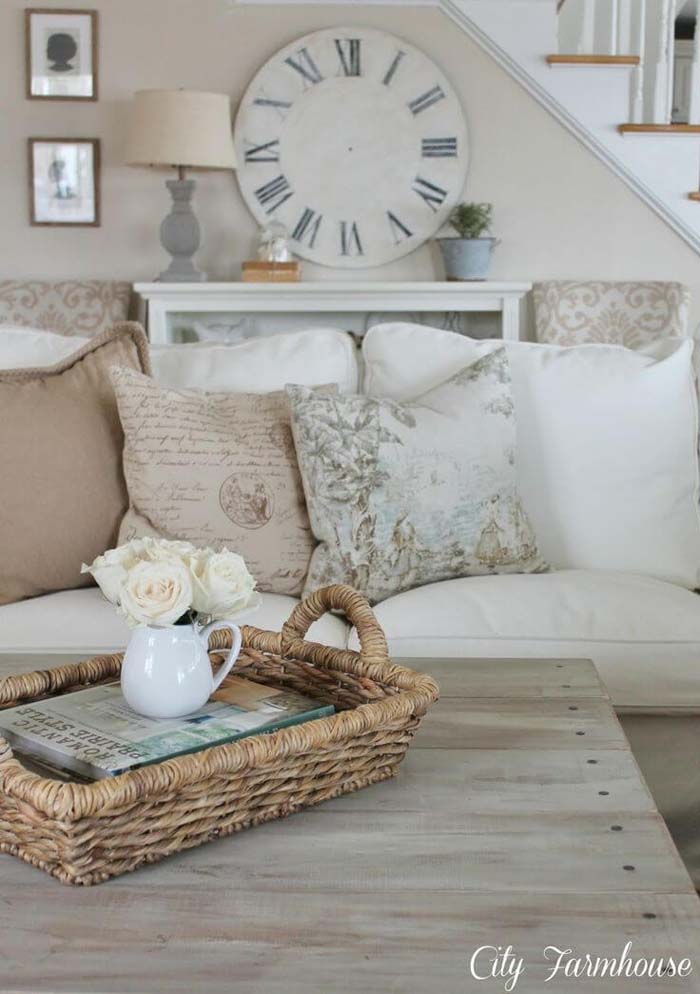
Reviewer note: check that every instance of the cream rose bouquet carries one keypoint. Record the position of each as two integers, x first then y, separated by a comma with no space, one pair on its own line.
153,581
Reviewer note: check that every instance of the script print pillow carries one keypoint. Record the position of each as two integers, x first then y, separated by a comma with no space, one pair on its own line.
217,470
400,495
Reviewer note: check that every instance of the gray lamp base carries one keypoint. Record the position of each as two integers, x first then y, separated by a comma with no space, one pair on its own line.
180,235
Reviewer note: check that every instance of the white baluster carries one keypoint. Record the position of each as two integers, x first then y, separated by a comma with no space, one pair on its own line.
606,27
614,14
638,47
663,70
694,81
586,44
625,36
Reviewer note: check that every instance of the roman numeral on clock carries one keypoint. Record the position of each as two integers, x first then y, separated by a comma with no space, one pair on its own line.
439,148
391,71
348,50
274,193
267,152
307,227
433,195
399,230
426,100
305,66
350,243
280,106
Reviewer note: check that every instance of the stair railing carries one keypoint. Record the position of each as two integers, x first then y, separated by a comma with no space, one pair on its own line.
643,28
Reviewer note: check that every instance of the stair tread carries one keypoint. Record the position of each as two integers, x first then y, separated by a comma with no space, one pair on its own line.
660,129
593,60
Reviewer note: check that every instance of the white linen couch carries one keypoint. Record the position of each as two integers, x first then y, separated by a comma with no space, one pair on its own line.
608,601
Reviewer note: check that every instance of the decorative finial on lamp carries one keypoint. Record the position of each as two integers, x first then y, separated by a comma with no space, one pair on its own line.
184,129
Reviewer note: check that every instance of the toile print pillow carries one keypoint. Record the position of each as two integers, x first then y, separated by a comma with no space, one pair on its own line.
401,495
215,469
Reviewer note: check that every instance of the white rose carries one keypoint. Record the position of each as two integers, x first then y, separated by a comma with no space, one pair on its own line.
156,593
221,584
110,569
164,550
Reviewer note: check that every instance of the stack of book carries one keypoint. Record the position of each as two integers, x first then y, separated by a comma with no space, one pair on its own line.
271,272
93,733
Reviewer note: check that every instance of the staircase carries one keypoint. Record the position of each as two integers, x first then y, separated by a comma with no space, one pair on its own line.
605,69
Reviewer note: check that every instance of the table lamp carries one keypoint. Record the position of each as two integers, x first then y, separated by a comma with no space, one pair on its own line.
184,129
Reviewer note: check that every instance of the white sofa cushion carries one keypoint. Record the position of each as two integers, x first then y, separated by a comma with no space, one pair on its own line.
642,634
82,622
31,347
261,365
607,442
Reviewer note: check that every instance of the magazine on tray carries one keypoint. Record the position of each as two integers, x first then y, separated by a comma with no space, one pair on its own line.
94,733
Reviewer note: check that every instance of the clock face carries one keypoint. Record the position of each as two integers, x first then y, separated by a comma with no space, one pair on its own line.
356,142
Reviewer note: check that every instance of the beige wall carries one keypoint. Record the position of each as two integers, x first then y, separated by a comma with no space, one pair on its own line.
559,212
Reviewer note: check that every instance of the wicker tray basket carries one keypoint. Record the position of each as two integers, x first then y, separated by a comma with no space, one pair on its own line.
87,833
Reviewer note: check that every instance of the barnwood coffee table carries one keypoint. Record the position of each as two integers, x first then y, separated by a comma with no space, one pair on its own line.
519,820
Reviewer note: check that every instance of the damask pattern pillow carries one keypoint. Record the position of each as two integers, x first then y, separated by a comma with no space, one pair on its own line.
401,495
630,314
216,469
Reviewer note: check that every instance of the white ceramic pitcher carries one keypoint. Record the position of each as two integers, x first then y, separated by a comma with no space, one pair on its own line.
166,671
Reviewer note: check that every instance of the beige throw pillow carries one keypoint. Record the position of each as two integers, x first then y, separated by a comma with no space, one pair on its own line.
217,470
63,490
402,495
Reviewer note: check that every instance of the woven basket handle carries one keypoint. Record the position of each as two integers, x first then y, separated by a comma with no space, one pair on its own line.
373,647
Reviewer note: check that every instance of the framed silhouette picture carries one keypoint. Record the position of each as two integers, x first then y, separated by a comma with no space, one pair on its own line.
61,54
64,181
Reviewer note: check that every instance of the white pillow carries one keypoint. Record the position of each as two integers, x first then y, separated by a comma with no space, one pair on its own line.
31,347
607,442
261,365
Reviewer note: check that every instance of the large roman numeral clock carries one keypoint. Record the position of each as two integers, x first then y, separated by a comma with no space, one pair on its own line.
356,142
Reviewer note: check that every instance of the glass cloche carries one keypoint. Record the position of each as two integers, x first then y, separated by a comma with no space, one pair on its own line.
273,243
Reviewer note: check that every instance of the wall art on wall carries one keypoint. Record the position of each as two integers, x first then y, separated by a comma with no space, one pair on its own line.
61,54
64,181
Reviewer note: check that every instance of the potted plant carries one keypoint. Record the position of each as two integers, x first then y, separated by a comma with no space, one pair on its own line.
468,256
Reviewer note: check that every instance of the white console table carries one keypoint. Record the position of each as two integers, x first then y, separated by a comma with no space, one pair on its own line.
167,300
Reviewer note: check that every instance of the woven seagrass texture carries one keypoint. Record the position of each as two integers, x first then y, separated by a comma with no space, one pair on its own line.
87,833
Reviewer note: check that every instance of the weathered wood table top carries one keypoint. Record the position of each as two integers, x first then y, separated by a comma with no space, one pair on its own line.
519,821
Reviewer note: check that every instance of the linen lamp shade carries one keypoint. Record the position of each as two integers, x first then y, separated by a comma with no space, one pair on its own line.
180,128
186,129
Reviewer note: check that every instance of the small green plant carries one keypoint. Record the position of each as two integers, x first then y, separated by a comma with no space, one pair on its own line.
471,220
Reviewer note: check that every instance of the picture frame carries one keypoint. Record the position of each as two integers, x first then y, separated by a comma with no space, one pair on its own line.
64,181
61,54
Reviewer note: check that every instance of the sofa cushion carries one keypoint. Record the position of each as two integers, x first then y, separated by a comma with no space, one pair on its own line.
260,365
63,489
22,347
82,622
607,442
215,469
642,634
